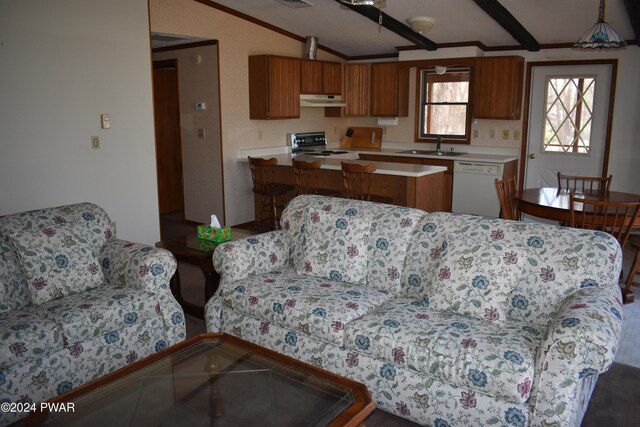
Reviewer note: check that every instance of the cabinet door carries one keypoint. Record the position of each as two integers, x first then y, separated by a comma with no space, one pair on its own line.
274,87
284,87
311,78
389,90
498,87
356,90
332,78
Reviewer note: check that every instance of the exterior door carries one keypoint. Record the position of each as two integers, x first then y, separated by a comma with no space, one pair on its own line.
568,122
168,139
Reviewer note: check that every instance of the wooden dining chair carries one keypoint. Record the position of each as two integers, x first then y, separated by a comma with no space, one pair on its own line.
306,174
357,182
272,194
507,196
584,184
634,241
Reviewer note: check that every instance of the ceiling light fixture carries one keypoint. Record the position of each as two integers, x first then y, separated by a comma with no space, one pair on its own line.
601,35
421,24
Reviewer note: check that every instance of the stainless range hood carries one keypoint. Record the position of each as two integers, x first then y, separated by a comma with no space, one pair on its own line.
321,101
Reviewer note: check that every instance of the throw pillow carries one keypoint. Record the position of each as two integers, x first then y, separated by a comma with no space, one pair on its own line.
335,245
59,260
474,278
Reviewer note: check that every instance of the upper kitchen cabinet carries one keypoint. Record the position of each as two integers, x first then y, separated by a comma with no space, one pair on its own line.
389,90
355,94
274,87
498,87
320,77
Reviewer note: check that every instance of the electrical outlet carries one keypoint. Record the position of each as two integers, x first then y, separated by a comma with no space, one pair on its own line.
492,133
259,135
95,142
516,135
201,132
505,133
475,133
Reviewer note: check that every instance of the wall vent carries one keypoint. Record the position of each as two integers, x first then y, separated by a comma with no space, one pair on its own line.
295,4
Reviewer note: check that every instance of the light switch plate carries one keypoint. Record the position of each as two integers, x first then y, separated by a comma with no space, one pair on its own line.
95,142
105,120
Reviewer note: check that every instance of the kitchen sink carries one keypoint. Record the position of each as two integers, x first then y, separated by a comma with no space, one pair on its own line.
432,153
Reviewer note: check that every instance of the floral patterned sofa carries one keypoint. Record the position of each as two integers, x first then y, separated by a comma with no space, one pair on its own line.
448,319
76,303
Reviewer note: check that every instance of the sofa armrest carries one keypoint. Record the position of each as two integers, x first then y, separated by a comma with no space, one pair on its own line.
252,255
580,344
149,268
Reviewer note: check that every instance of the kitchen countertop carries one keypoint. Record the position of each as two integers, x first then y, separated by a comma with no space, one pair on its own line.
352,154
467,157
334,163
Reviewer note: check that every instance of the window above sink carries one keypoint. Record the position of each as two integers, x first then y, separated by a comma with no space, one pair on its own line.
444,108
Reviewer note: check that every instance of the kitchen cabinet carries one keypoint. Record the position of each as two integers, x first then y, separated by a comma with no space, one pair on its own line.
497,92
274,87
355,94
320,77
447,182
389,90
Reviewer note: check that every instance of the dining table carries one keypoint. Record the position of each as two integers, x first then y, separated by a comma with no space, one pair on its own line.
553,204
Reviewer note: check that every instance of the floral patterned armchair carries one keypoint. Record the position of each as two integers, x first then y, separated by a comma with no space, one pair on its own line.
448,319
76,303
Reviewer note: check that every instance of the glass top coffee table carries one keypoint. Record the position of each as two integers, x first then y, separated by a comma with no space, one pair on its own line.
215,380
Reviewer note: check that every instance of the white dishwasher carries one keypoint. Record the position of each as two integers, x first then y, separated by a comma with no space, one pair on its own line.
474,188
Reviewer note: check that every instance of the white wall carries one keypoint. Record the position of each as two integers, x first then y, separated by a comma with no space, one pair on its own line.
201,157
63,63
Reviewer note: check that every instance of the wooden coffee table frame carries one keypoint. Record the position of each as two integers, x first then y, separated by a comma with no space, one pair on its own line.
353,416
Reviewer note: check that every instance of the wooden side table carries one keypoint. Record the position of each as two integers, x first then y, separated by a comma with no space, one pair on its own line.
199,252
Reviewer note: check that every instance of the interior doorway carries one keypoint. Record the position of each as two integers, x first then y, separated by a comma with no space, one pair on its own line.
168,139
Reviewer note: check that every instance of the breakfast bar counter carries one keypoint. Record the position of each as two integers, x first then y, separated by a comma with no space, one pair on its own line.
411,185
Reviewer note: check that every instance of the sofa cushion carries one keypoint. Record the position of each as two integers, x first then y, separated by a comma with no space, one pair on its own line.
475,278
25,335
313,305
335,245
58,260
485,357
14,292
98,311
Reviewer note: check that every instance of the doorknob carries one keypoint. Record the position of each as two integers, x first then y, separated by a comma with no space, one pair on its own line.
532,156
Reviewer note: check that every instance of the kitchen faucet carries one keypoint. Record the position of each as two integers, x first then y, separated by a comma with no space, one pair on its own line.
439,144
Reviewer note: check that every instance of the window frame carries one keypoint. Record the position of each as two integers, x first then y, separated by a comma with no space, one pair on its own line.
421,105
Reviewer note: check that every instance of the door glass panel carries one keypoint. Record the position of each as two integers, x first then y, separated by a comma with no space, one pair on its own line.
568,114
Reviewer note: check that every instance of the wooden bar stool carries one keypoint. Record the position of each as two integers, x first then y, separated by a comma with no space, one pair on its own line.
357,182
306,174
272,194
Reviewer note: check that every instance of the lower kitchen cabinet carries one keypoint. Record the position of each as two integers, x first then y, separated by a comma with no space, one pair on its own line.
447,182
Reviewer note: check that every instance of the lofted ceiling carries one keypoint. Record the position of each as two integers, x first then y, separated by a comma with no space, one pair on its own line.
350,34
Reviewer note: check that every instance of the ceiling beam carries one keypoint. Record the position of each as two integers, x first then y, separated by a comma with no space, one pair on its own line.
506,20
633,10
394,25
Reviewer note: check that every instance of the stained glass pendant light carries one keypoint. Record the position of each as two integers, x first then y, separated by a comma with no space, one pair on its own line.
601,35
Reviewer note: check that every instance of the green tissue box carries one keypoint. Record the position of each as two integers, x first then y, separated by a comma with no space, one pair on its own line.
218,235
